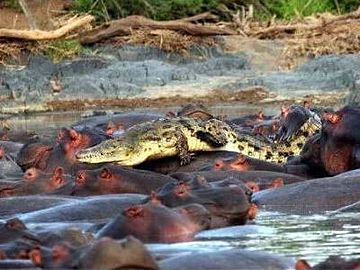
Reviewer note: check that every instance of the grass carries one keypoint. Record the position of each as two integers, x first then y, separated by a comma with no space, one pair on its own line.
106,10
63,49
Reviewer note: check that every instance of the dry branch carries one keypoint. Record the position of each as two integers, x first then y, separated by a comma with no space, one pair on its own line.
292,28
126,25
46,35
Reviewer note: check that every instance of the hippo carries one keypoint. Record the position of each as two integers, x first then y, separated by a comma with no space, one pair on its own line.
14,229
17,264
241,162
96,209
45,156
332,262
227,205
154,222
117,179
228,260
311,196
36,182
255,180
111,123
250,120
200,161
335,149
25,204
104,253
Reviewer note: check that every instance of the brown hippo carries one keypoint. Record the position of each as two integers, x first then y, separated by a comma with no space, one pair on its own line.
37,182
105,253
45,156
117,179
19,205
96,209
250,120
331,263
14,229
228,260
335,149
241,162
227,205
200,161
311,196
154,222
111,123
255,180
198,111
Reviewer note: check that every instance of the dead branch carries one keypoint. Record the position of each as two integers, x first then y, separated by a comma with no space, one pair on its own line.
46,35
126,25
290,29
199,17
28,15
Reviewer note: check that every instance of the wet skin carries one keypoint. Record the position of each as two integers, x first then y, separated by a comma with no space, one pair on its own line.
117,179
37,182
311,196
153,222
227,205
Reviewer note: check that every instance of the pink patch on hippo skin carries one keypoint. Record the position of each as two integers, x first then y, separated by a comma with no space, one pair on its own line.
2,255
60,252
284,111
332,117
57,179
36,256
252,211
2,152
276,183
240,163
253,186
154,198
134,211
302,265
336,159
218,165
31,174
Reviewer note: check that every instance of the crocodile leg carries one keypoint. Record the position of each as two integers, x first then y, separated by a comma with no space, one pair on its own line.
183,148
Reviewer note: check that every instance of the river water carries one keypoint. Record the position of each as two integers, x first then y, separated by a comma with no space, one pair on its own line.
312,237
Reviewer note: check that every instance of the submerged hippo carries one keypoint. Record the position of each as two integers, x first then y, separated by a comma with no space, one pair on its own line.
117,179
154,222
312,196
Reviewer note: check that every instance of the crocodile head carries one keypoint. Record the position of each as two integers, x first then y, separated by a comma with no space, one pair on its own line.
113,150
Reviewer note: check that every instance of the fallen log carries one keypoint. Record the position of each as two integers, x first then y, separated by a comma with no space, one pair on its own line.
126,25
292,28
46,35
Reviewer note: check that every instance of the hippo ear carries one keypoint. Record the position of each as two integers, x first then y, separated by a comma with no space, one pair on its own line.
154,198
2,152
30,174
80,178
15,224
201,180
58,171
134,211
253,186
60,252
106,173
36,256
277,182
74,135
260,115
284,111
332,117
302,265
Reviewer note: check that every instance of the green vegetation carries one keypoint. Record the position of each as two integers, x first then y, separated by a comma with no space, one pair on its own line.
289,9
11,4
63,49
106,10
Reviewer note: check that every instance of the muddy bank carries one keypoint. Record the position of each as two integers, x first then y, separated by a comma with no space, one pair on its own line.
136,75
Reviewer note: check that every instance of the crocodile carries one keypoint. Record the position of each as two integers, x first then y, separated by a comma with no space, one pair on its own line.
182,136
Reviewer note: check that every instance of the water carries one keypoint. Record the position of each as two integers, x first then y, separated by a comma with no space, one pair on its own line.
313,237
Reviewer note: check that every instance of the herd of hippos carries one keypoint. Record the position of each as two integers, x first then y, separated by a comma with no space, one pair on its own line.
91,196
